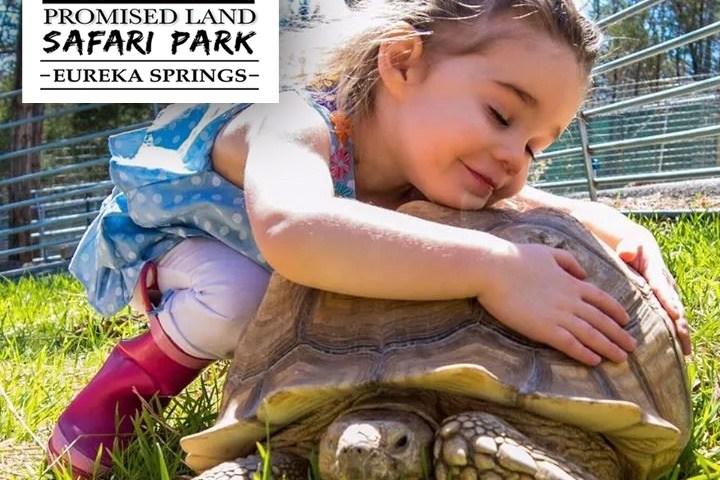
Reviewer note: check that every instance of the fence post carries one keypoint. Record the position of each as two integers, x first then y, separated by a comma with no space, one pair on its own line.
587,157
23,136
662,145
40,210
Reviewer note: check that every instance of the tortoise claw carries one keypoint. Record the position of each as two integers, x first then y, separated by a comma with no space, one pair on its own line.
478,445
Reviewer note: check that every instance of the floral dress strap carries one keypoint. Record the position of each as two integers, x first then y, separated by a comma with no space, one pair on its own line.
342,164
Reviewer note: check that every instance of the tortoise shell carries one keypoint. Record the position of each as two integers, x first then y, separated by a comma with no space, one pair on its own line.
309,351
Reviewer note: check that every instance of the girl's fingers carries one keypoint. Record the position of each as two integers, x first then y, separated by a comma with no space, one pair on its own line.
671,281
683,332
628,249
595,340
668,299
566,342
604,302
569,263
673,306
594,324
667,292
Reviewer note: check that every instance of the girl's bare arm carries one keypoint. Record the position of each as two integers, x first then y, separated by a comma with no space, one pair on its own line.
314,238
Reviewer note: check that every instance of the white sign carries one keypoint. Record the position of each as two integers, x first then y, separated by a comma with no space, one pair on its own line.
147,52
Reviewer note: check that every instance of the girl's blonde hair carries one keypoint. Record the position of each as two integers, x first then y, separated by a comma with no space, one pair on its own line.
350,69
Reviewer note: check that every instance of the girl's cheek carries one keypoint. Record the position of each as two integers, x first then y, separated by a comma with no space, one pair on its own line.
511,189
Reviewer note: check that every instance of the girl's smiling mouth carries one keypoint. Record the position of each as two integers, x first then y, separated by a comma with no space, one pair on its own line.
485,181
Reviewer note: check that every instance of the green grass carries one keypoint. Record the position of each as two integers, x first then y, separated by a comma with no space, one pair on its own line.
691,252
51,343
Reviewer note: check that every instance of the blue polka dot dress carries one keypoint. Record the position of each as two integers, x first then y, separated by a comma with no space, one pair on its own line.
166,191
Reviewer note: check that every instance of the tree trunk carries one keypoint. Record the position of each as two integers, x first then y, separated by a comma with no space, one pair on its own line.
23,136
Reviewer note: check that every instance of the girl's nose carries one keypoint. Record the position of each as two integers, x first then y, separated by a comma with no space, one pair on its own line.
512,156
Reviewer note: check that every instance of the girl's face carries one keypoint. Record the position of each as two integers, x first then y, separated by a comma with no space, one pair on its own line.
469,128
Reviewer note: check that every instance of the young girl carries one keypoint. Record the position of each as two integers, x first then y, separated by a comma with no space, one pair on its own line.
440,100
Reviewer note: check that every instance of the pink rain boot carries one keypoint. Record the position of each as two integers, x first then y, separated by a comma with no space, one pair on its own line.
140,368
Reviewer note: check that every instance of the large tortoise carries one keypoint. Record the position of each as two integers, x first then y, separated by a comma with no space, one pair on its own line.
381,389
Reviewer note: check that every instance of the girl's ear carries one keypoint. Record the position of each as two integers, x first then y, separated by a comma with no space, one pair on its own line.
400,58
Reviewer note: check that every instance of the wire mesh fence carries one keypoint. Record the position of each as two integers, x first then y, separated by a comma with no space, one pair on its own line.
683,129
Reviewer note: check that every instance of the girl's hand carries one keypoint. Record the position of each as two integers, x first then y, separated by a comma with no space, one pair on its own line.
641,252
539,293
634,243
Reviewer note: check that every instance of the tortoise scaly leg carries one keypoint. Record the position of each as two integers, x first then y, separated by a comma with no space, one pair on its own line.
283,466
481,446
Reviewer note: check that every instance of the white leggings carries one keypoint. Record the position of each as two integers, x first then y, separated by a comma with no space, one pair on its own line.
210,293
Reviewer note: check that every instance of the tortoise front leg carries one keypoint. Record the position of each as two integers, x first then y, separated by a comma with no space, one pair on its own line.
478,445
283,466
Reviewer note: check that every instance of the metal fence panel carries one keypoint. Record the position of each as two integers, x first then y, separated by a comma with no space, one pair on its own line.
65,195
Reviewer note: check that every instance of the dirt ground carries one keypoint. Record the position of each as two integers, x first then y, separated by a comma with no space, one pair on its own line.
697,195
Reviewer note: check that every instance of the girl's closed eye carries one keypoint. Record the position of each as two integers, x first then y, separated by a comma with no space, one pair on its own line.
498,117
505,123
530,152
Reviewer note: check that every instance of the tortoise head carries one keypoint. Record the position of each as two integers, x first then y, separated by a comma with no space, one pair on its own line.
376,444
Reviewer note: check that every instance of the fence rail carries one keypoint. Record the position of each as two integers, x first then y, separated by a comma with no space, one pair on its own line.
654,132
